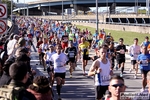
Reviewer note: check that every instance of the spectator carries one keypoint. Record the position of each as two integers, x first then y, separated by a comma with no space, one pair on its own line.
116,86
40,88
11,45
5,79
18,73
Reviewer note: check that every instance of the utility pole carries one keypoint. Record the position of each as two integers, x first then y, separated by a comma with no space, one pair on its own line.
147,7
11,9
62,10
97,15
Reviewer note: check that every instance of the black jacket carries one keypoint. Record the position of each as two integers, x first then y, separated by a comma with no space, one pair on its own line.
5,79
24,94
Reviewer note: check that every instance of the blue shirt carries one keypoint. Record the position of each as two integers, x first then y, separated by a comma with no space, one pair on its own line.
96,34
144,65
75,44
146,43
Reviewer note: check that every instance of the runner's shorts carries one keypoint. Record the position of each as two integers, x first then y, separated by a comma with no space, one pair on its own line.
72,60
100,91
90,41
64,45
86,57
119,61
50,70
133,62
144,72
61,75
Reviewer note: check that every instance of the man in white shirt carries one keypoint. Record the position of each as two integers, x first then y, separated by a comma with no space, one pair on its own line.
11,45
134,51
59,60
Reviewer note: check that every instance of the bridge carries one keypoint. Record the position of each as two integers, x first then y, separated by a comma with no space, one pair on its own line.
43,6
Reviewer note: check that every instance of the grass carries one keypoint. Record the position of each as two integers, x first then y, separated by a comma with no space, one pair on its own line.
127,36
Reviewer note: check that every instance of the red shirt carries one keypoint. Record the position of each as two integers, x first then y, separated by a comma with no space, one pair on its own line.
51,37
39,43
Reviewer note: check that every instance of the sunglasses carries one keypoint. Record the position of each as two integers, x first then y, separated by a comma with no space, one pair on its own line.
118,85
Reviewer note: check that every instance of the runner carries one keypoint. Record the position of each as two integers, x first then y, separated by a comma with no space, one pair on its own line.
64,41
146,42
59,60
134,51
120,55
102,41
50,67
144,62
83,49
90,38
112,53
101,69
71,36
43,47
71,51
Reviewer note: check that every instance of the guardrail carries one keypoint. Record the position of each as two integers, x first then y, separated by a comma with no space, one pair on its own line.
127,24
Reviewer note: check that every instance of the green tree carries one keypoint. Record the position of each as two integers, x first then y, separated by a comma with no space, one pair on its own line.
8,2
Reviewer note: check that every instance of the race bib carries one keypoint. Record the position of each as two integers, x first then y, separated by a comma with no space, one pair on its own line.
105,78
59,63
144,63
136,54
122,51
71,55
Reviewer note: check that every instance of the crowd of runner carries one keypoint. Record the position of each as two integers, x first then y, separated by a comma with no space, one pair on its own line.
63,44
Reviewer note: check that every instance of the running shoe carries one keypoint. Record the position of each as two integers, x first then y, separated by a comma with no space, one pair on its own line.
70,75
130,70
121,74
135,76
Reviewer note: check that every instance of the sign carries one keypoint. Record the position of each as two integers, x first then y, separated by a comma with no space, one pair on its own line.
3,26
3,11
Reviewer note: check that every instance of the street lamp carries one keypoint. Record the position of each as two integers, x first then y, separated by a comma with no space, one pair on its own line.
11,9
49,8
97,15
147,7
62,10
136,6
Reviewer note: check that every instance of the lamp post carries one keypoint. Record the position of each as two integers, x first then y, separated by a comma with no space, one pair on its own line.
97,15
11,9
62,10
136,6
147,6
49,8
24,9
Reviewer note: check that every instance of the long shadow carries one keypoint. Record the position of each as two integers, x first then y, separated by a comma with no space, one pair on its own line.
78,92
34,48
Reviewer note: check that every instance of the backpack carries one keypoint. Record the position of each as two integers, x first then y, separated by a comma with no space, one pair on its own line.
8,92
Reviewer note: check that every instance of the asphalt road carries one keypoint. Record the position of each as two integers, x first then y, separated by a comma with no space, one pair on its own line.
82,87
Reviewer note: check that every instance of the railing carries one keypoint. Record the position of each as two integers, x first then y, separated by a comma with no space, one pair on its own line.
128,24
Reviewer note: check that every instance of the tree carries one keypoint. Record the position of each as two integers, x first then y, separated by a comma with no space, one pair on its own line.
8,2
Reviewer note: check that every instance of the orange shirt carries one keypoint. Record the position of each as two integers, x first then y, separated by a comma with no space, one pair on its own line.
101,35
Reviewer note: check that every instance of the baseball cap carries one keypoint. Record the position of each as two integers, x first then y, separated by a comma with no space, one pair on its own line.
51,46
